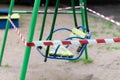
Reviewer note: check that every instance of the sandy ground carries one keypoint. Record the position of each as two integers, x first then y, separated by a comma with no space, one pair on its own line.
106,65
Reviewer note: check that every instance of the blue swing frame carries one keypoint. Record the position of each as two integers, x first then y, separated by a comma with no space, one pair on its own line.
69,38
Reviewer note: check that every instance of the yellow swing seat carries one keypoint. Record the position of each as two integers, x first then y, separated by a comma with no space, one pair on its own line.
63,51
79,33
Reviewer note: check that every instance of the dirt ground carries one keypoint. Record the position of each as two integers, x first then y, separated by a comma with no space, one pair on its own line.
106,65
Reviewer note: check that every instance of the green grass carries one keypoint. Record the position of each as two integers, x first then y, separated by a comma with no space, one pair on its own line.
115,35
90,46
118,29
7,65
108,32
110,48
82,59
118,64
95,33
110,25
115,47
101,27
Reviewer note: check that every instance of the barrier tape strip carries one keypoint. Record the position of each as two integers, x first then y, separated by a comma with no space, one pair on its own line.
17,31
104,17
94,12
70,42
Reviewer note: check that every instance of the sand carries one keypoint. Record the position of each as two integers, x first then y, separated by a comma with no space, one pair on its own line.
106,64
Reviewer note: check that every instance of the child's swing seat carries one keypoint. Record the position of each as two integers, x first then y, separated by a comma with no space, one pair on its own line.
60,51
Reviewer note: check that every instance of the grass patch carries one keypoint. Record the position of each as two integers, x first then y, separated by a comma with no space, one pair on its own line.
110,25
109,48
108,32
118,29
115,48
82,59
95,33
7,65
118,64
116,35
90,46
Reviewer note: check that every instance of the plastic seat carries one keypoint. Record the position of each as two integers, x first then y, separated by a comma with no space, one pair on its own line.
62,52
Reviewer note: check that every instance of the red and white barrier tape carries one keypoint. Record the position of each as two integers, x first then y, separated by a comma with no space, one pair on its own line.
67,8
104,17
94,12
17,31
69,42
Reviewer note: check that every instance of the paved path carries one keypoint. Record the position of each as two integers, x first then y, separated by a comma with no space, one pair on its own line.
112,11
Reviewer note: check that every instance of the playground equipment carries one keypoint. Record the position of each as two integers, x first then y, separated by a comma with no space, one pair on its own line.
59,51
29,43
76,37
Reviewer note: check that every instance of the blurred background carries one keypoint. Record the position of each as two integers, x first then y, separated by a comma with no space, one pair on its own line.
64,2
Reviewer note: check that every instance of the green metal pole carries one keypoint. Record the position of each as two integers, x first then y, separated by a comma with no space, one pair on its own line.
86,17
82,13
84,22
54,19
52,27
74,13
87,27
44,19
6,32
30,39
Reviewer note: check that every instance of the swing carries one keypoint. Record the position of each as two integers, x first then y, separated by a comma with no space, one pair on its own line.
62,52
